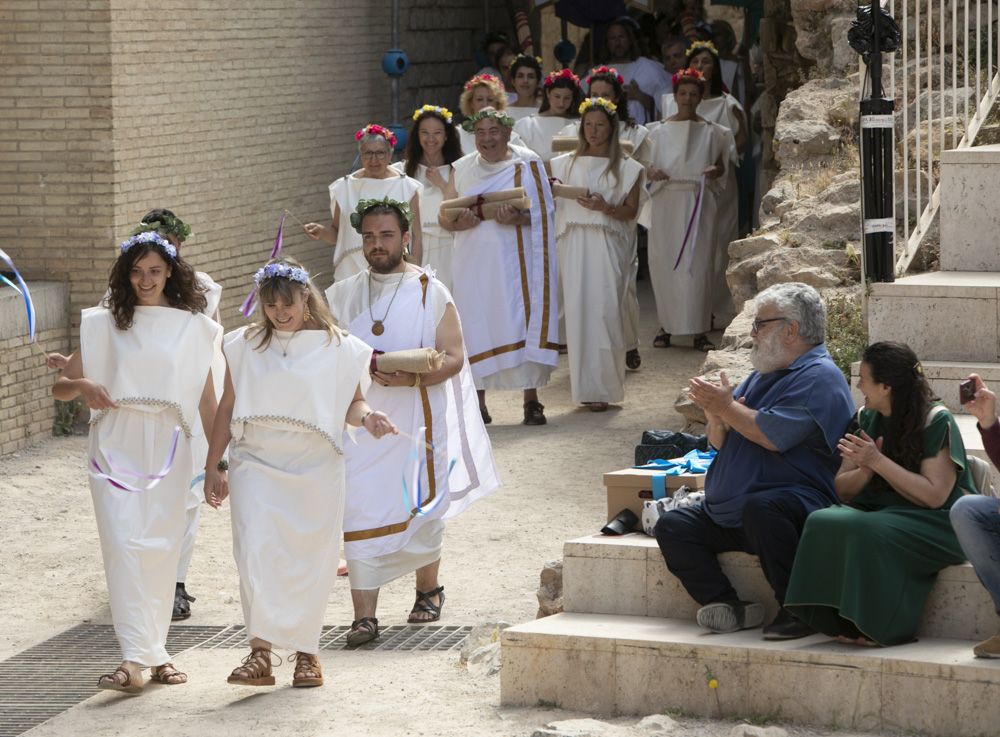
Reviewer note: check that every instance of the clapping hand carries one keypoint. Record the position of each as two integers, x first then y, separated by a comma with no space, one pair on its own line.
712,398
860,450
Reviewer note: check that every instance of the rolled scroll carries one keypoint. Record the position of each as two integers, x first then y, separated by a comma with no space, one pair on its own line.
413,360
562,144
569,192
485,206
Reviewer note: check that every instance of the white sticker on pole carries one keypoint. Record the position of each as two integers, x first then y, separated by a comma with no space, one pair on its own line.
880,225
877,121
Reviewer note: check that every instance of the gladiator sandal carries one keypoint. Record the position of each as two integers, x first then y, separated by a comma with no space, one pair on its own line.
255,671
120,680
307,671
168,675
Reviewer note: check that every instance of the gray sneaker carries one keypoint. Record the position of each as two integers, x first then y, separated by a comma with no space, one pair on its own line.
730,616
988,648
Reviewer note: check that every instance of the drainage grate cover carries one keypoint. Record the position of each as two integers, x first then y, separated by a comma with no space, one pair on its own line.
68,664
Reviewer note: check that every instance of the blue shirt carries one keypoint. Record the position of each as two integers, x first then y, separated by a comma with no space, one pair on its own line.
803,410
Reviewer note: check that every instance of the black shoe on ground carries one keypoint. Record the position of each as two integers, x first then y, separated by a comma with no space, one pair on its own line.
534,413
633,360
730,616
182,607
786,627
487,418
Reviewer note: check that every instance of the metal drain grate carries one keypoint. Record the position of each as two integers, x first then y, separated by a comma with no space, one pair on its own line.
49,678
67,665
399,637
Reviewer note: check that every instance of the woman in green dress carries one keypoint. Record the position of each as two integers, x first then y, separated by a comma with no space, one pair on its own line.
863,570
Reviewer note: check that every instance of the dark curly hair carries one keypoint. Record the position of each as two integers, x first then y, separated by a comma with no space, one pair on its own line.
563,84
452,148
897,366
182,289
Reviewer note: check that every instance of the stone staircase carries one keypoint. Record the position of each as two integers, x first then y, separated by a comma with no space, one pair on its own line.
627,643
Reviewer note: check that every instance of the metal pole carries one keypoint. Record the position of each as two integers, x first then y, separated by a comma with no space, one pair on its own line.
394,24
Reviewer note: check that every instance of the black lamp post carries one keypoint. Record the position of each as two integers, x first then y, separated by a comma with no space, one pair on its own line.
873,32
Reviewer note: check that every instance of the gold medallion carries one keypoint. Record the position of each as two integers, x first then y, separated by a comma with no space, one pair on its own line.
378,328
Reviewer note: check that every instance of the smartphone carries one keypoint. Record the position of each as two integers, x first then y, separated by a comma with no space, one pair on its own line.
966,391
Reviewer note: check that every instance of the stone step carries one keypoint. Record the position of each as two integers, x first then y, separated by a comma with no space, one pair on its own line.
617,665
626,575
941,315
970,220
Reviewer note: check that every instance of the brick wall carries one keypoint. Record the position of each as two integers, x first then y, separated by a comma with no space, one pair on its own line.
223,111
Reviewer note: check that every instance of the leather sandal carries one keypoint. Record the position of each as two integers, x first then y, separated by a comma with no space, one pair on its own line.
703,344
662,340
424,605
182,606
120,679
633,360
255,671
167,674
362,630
534,413
307,671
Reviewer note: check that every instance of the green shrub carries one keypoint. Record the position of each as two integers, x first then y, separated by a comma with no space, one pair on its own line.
846,333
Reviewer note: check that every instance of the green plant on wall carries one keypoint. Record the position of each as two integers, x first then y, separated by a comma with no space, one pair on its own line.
65,419
846,334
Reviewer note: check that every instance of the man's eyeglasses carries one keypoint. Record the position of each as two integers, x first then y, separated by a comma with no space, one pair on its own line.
755,325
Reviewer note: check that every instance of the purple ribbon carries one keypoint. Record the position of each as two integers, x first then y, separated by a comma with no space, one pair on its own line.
154,478
29,306
692,222
250,303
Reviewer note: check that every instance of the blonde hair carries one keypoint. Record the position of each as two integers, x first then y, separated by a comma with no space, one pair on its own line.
499,96
278,288
614,145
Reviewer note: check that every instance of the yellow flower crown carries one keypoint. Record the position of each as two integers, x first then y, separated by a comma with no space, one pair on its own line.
591,102
442,111
521,58
697,46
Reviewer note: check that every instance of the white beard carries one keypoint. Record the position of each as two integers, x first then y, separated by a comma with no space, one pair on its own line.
768,355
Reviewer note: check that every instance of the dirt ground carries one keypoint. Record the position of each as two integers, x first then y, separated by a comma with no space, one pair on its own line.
51,578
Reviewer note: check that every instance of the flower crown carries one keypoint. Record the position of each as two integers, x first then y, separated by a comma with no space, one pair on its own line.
594,102
487,112
524,59
374,129
151,236
697,46
605,70
487,79
561,74
442,111
281,271
365,205
165,225
689,75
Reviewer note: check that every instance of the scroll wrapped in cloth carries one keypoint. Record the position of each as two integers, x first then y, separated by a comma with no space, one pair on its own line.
413,360
569,192
485,206
561,144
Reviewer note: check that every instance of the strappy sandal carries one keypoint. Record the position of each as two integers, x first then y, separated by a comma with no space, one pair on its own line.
182,603
123,683
534,413
307,671
424,605
633,360
703,344
362,630
255,671
167,674
662,340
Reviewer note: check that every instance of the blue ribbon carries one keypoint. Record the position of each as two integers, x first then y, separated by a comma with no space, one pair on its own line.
696,462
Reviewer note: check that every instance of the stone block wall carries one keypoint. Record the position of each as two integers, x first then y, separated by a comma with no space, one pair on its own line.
224,111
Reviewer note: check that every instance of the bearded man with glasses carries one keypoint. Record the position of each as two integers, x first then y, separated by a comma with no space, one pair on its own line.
777,439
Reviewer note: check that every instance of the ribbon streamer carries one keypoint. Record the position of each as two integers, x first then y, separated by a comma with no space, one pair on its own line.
692,222
153,478
413,503
29,306
250,303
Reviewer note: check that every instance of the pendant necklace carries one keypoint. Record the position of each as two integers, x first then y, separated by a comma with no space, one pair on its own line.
377,325
284,346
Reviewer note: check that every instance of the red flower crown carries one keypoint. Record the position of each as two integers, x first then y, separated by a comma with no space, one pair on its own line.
374,129
689,75
605,70
486,79
561,74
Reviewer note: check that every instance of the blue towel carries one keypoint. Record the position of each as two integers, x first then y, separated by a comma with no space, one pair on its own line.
696,461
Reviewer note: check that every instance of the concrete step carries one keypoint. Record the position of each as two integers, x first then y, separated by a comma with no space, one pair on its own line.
970,220
617,665
627,576
941,315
